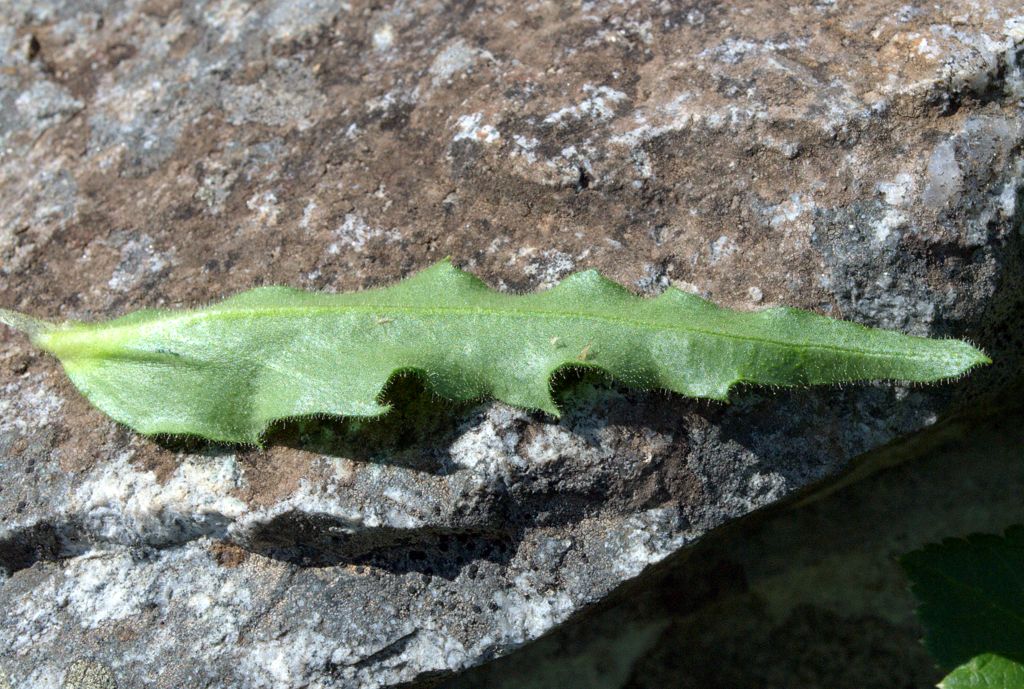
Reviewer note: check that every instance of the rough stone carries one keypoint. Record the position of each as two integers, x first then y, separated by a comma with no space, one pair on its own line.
858,159
805,594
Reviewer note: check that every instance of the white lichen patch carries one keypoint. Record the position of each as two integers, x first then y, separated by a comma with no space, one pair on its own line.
293,659
654,279
345,516
673,112
1014,28
114,585
486,451
118,504
525,613
264,208
765,487
354,234
33,619
957,58
469,128
47,200
734,50
1010,193
307,214
29,403
644,539
139,260
433,650
548,266
124,103
107,586
549,445
599,104
383,37
889,225
796,205
722,248
133,589
565,170
900,191
944,178
525,147
391,102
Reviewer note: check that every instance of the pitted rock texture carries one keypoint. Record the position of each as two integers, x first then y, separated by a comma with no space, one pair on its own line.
859,159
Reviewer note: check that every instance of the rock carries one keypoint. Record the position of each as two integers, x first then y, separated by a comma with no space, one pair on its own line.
858,159
806,591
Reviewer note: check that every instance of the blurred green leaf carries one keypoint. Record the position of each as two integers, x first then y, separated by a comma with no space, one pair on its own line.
986,672
971,592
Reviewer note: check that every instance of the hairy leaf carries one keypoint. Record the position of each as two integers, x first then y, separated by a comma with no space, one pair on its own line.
226,371
986,672
971,592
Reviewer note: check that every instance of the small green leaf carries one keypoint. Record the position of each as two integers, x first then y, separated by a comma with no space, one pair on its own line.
971,592
986,672
226,371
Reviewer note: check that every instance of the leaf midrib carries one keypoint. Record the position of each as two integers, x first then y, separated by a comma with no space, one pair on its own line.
384,309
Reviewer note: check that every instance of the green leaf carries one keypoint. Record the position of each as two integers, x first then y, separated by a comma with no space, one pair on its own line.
971,592
986,672
226,371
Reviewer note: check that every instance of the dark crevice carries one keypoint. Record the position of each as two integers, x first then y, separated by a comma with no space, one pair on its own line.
583,179
324,541
28,546
392,649
299,539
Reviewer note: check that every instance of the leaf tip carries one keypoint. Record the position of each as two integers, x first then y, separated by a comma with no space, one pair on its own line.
965,356
552,410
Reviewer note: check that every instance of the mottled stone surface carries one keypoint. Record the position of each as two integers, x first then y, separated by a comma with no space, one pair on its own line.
805,597
858,159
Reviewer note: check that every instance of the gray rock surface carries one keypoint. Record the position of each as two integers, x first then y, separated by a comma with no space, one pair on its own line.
859,159
810,594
